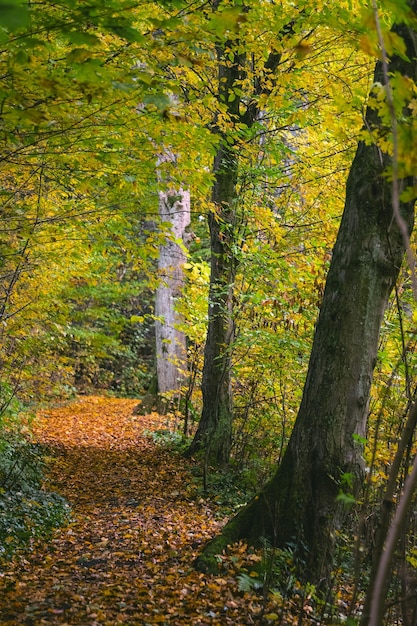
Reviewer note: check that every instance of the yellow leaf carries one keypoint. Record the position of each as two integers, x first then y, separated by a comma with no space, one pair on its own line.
368,46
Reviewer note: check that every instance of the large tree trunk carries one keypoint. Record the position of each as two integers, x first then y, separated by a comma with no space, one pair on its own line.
300,503
171,353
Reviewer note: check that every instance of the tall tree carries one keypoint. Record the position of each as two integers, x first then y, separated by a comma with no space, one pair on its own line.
214,433
239,108
300,502
171,351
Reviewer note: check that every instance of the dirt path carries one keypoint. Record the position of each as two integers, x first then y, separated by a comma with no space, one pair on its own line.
126,557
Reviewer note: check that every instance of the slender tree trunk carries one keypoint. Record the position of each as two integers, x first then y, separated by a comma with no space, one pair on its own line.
391,522
300,503
386,513
375,614
214,433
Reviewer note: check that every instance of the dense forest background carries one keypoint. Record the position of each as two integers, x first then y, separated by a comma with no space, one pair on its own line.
110,109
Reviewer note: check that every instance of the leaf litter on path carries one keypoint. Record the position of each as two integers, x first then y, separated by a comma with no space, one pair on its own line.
137,525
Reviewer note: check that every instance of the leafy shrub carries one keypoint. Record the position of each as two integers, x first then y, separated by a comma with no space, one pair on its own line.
25,515
26,510
165,438
276,571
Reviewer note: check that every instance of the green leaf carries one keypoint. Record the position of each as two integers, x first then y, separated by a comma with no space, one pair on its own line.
126,32
227,20
359,439
14,14
409,194
346,499
159,100
79,38
78,55
248,583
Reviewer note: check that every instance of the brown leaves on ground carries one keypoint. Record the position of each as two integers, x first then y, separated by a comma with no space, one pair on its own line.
138,523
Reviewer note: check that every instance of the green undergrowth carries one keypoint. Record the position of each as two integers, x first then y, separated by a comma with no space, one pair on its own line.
229,487
168,439
27,511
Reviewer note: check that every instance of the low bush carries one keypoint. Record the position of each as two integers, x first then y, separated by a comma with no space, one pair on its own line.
27,511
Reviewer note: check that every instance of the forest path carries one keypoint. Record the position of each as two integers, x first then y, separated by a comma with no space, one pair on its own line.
126,556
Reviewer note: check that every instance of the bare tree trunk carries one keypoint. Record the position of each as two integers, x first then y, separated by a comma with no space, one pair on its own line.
171,352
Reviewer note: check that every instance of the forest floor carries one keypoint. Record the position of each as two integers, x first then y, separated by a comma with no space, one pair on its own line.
138,521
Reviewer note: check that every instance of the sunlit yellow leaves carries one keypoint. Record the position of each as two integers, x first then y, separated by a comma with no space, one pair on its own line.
370,41
226,21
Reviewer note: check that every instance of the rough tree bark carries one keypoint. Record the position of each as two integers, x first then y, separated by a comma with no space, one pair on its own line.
300,504
214,432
